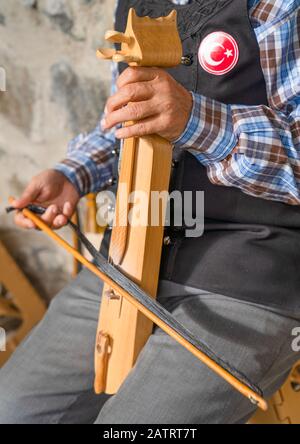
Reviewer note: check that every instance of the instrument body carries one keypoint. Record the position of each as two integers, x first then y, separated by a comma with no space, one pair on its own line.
127,328
135,247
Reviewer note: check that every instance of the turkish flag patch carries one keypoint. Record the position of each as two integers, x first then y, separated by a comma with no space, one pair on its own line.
218,53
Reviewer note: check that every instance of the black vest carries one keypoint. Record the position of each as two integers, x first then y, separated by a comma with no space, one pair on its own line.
250,249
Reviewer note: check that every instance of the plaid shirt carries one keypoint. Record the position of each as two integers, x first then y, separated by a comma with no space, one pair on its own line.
254,148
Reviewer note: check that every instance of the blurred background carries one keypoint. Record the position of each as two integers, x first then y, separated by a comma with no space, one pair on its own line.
56,88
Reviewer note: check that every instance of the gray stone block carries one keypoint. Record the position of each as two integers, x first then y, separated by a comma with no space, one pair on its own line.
59,13
18,100
82,98
30,3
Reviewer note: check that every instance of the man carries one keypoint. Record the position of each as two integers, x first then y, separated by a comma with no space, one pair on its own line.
232,111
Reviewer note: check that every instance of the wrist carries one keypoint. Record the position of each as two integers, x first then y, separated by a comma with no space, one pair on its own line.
190,111
70,176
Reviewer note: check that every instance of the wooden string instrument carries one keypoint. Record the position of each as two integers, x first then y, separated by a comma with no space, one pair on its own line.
125,321
135,250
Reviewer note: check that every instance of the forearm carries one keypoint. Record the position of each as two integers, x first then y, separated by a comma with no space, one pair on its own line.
253,148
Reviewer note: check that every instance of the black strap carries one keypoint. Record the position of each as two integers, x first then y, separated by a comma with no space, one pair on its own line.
148,302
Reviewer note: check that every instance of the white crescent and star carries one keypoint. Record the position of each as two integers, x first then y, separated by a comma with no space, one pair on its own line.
207,54
218,53
228,53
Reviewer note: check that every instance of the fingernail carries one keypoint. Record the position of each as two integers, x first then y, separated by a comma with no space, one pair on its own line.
54,210
105,110
103,124
15,203
67,207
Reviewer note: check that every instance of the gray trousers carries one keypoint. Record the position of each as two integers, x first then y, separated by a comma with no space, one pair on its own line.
49,379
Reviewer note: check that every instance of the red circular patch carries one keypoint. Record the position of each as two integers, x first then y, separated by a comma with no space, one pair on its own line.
218,53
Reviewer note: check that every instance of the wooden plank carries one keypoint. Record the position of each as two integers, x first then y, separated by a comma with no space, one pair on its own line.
128,327
145,167
25,298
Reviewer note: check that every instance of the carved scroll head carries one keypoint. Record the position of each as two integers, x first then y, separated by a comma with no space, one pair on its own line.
146,42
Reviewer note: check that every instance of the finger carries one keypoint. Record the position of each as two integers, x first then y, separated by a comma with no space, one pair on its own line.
22,221
134,111
143,128
68,210
50,215
60,221
30,195
136,92
137,74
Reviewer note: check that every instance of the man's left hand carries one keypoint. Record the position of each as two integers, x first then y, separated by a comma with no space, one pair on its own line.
153,100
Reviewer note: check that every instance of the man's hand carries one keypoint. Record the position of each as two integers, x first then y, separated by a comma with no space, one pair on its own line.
153,100
49,189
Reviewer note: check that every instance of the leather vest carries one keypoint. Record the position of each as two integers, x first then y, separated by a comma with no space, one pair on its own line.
250,248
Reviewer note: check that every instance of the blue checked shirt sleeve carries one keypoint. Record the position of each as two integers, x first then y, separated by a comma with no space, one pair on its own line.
89,163
257,149
90,157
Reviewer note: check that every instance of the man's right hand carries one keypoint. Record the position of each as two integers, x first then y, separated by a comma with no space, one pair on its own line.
52,190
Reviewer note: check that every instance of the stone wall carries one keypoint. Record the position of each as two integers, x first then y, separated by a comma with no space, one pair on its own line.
55,88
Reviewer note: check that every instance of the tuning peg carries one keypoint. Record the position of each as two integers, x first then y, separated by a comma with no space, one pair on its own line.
117,37
119,57
106,53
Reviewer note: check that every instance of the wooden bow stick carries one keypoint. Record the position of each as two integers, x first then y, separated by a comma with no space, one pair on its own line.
232,380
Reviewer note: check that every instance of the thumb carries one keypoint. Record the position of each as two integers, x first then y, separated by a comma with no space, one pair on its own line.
29,196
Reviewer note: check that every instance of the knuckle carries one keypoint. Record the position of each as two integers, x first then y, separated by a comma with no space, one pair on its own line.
124,134
129,92
119,80
151,89
162,74
109,119
136,111
141,128
109,104
129,75
169,107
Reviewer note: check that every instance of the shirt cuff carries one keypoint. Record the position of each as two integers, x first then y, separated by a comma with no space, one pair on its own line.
85,174
209,133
